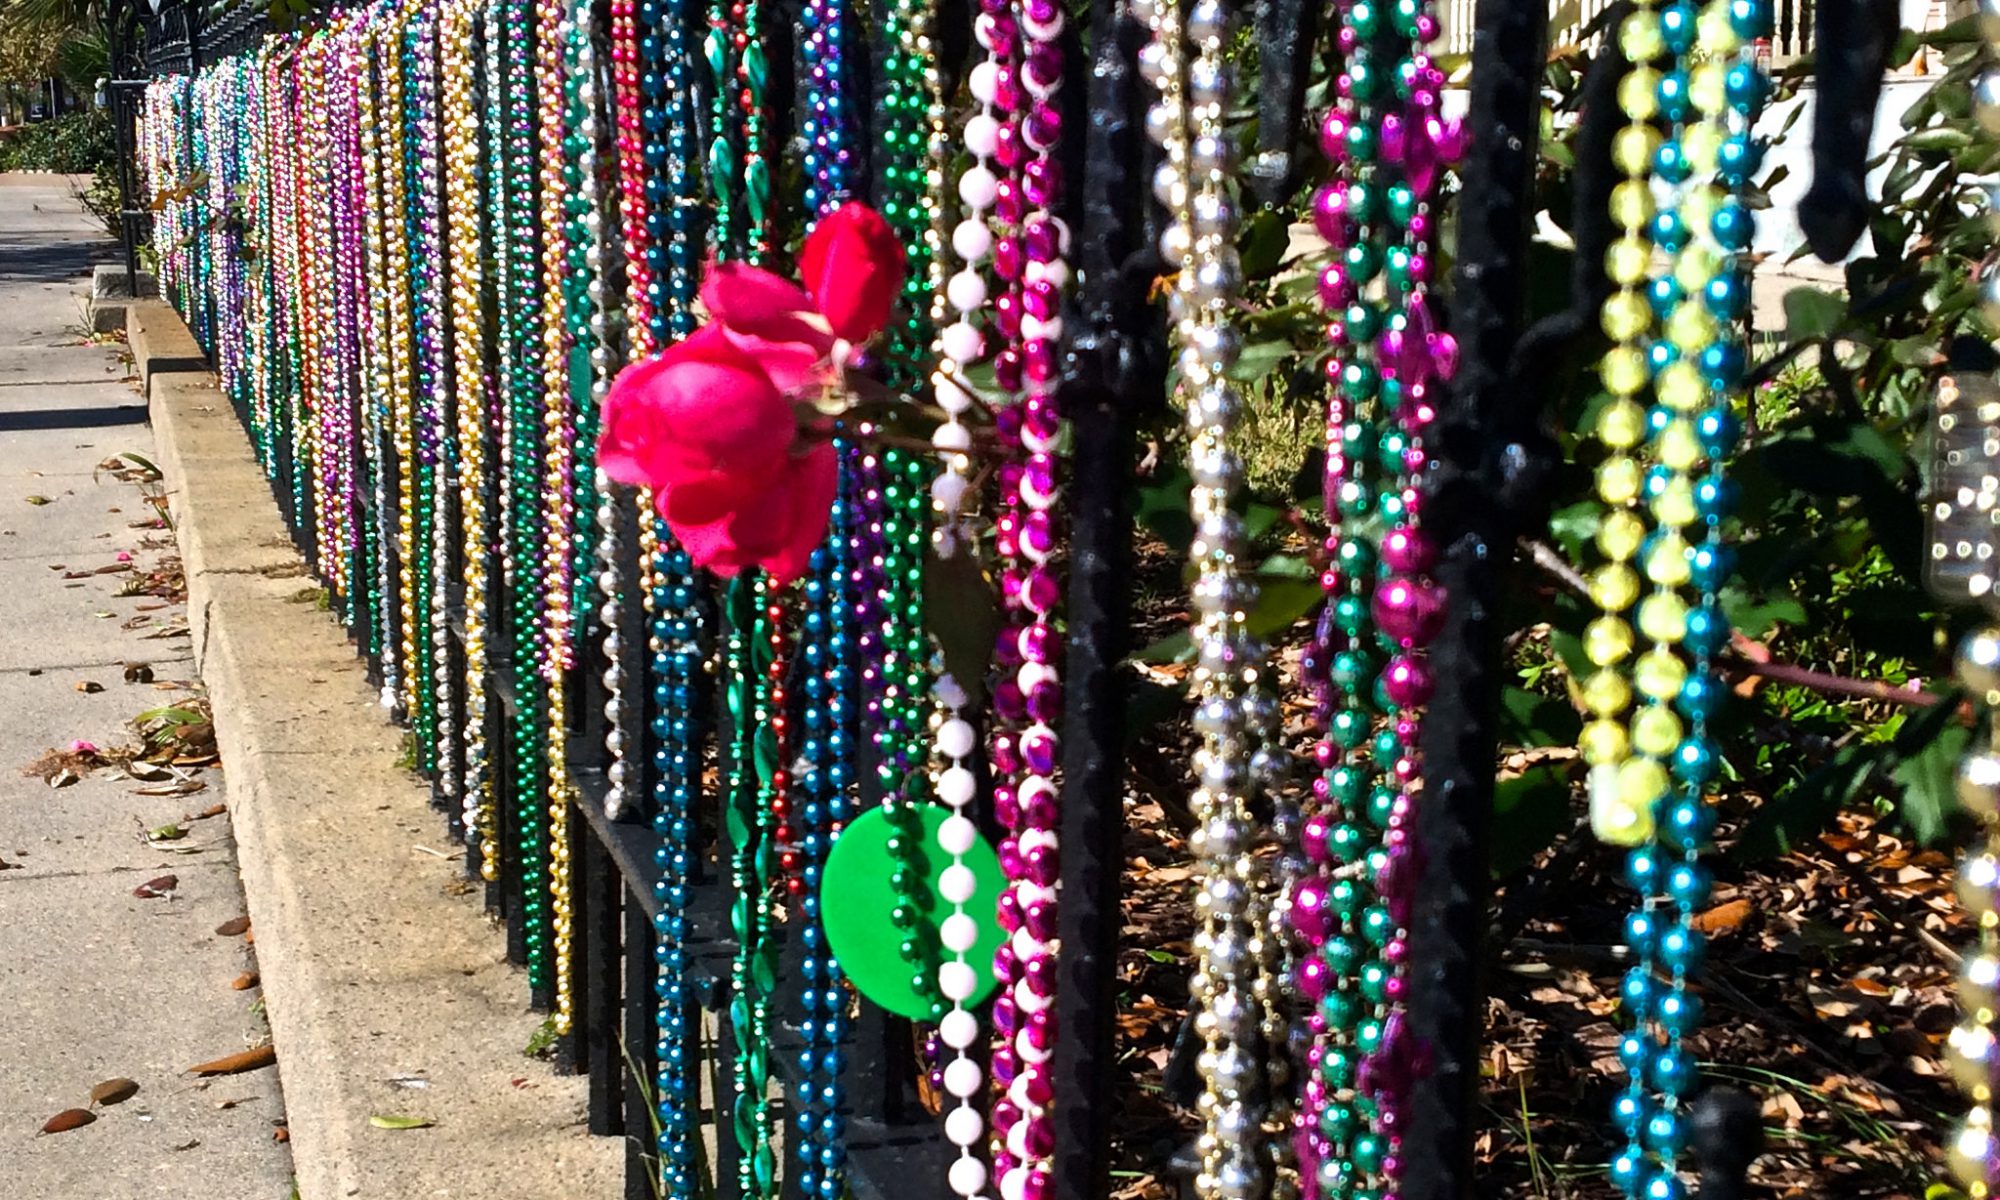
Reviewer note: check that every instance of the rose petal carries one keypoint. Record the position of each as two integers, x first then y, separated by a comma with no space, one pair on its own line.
813,484
701,409
753,301
794,368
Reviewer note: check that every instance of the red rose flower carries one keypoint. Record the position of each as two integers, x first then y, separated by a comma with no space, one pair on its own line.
704,426
711,424
853,269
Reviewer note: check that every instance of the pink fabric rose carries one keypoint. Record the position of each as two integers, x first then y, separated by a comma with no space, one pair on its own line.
712,425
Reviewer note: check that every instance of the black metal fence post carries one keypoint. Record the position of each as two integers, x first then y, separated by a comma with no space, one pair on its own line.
1488,462
1108,379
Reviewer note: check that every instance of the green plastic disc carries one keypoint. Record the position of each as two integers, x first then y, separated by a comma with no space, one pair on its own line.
857,902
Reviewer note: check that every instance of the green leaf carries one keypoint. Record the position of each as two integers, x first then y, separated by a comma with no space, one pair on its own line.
1532,719
1259,359
1574,526
1175,647
386,1121
1529,811
1281,600
1262,244
963,613
1939,137
1796,813
1930,796
1755,618
1812,313
1927,748
1161,507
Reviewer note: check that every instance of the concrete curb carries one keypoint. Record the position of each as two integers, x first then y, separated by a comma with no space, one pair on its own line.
375,966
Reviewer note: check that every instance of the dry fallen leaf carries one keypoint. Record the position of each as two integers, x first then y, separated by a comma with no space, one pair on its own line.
68,1119
1722,918
89,687
245,981
380,1121
233,927
38,501
113,1091
213,810
138,673
153,889
245,1060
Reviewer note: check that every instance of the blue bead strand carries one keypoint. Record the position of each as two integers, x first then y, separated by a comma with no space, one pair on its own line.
676,663
827,754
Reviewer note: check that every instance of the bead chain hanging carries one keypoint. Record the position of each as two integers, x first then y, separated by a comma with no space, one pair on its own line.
1024,743
635,231
677,653
1649,778
824,801
735,52
958,310
1388,140
1972,1049
375,347
461,139
1233,990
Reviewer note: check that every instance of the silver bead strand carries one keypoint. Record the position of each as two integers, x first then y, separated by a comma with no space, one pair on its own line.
1193,183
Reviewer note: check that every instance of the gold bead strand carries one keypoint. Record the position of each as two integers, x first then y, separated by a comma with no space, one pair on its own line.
375,351
558,429
1627,318
467,283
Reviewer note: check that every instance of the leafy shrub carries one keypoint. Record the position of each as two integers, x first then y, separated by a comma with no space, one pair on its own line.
75,144
100,197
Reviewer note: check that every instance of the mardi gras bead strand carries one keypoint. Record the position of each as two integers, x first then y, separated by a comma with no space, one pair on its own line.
315,308
671,156
402,342
376,334
1972,1049
824,123
1026,797
1411,357
363,593
958,311
524,321
1698,361
957,344
671,251
435,451
1339,973
635,231
1187,121
676,652
468,346
827,756
748,1106
907,196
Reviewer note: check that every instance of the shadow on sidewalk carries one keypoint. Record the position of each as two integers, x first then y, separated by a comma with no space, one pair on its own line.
72,418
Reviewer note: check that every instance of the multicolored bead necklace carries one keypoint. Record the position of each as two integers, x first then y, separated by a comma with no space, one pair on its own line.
468,344
1648,778
1388,141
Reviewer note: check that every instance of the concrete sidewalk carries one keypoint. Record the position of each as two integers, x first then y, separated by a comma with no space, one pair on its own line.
98,983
